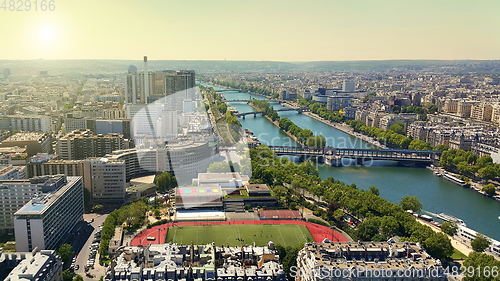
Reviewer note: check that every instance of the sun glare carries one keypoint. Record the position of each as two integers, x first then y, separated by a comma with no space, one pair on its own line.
47,34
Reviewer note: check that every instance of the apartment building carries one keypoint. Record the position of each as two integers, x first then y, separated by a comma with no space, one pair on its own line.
30,123
366,261
105,179
45,265
14,193
81,144
45,219
35,142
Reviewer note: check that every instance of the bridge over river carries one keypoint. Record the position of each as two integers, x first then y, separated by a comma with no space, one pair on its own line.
333,156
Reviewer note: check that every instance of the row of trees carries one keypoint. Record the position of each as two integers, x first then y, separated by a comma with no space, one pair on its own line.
429,109
305,136
224,167
133,215
393,136
321,111
245,88
469,164
379,218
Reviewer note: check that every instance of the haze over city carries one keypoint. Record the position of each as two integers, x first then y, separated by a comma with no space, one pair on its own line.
278,30
249,140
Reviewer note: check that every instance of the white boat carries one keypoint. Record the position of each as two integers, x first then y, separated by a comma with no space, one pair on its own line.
446,217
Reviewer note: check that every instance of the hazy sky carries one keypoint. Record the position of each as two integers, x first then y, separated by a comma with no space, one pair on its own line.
278,30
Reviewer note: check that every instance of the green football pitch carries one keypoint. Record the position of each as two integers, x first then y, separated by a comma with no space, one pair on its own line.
238,234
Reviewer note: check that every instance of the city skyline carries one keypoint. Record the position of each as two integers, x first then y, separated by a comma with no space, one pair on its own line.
254,30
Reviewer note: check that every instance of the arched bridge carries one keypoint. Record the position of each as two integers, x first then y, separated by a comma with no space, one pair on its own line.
360,155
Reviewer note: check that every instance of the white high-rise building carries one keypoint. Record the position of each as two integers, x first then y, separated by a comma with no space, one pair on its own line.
168,124
48,217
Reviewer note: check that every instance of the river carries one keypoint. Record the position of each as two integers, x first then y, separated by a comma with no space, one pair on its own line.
437,194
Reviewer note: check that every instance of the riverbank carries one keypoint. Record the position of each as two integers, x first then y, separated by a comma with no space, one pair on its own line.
345,129
476,186
276,123
457,243
238,90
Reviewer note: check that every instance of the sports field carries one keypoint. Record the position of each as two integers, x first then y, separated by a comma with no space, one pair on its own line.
238,234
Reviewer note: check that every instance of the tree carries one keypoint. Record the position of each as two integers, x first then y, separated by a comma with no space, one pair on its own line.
483,161
480,243
280,191
483,261
67,275
78,277
411,203
222,167
449,228
374,190
488,173
65,251
97,208
309,168
489,189
165,181
398,128
389,226
438,245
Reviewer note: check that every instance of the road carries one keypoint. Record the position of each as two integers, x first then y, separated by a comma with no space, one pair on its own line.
83,256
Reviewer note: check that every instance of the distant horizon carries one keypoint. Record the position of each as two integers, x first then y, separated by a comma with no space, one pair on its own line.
152,60
256,30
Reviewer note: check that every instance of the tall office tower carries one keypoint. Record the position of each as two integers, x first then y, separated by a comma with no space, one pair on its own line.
131,85
158,82
6,73
176,81
168,124
349,86
146,80
48,217
142,88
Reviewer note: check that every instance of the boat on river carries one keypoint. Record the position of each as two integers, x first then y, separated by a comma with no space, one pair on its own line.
450,218
455,179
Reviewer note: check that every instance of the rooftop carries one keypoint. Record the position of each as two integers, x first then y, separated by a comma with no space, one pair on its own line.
27,136
35,268
42,202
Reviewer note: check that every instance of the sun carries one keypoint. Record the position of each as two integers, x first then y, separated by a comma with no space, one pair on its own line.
47,34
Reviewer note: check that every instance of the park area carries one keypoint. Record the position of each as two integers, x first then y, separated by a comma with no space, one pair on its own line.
236,233
240,234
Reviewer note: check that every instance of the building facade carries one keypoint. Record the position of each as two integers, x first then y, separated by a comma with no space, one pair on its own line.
83,144
367,261
105,179
45,219
45,265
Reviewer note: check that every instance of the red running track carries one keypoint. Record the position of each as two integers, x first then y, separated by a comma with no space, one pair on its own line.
318,232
